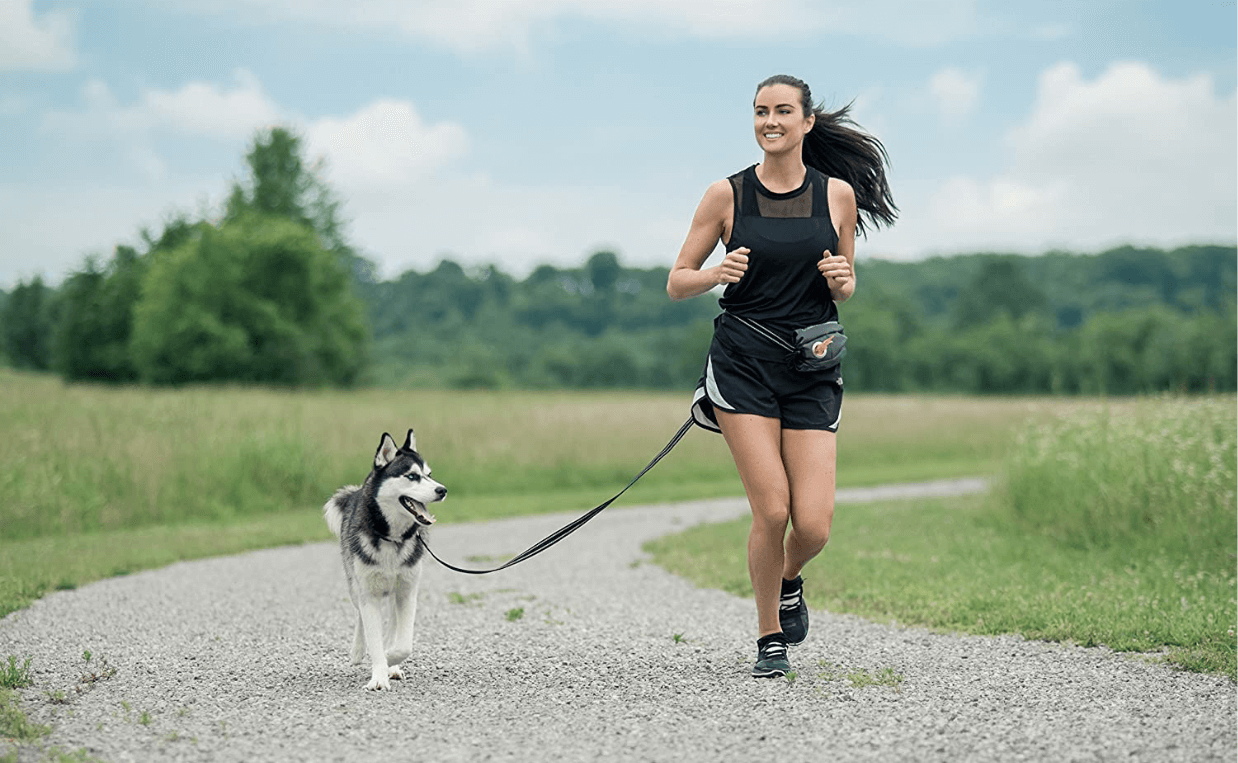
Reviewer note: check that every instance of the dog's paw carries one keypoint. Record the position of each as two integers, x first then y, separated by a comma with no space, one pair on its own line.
379,683
396,656
395,674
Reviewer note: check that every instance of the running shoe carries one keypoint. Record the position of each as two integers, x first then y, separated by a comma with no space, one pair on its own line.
793,612
771,657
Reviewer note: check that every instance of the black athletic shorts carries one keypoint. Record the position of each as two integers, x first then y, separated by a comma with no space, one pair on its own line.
738,382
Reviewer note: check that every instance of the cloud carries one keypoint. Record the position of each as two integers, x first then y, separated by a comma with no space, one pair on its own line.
385,145
956,93
474,25
28,43
197,109
203,108
1131,156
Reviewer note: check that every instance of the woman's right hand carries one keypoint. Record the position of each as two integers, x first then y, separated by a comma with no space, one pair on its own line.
733,266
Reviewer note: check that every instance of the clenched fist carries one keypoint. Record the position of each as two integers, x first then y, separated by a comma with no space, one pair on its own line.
835,268
733,266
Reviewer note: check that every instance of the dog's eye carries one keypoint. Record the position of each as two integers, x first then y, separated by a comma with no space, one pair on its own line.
415,477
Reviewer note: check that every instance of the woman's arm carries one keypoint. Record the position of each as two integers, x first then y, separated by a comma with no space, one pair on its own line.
709,224
839,268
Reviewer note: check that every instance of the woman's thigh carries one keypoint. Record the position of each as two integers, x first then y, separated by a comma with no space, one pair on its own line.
808,457
756,446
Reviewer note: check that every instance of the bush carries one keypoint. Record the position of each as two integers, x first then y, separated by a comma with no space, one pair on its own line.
256,300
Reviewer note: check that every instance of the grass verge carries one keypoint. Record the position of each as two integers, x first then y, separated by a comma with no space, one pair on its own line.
958,565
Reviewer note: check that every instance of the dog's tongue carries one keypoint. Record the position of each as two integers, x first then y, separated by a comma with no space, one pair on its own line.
418,511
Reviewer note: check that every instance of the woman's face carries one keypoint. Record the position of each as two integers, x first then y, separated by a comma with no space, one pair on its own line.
778,119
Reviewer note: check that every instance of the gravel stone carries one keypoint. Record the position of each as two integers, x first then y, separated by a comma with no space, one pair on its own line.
245,658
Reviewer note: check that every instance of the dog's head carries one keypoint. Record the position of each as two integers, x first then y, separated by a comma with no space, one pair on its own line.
405,479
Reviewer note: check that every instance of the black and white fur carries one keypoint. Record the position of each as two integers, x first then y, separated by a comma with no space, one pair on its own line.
381,525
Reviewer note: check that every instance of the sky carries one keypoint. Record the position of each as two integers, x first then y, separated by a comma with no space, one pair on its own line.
523,132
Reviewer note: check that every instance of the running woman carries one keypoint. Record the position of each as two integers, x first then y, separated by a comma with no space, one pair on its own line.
788,225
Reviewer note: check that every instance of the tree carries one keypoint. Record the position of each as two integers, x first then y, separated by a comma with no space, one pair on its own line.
1001,286
282,184
25,325
603,270
257,299
95,321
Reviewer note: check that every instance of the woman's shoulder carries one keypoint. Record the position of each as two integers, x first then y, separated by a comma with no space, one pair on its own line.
741,173
721,192
840,191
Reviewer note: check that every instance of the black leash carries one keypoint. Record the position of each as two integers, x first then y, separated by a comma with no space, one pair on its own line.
572,526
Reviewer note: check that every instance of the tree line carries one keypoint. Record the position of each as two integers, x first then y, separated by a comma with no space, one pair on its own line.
271,292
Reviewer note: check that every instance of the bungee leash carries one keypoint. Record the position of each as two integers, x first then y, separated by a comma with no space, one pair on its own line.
572,526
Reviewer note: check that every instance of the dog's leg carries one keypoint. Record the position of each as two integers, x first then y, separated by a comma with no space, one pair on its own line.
358,642
372,624
405,614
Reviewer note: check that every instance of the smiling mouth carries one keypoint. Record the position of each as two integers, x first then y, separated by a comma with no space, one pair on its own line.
773,135
417,510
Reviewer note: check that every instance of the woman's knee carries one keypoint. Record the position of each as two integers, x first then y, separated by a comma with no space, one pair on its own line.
772,510
814,531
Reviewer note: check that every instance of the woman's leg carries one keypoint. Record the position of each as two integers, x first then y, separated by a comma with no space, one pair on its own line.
756,446
808,456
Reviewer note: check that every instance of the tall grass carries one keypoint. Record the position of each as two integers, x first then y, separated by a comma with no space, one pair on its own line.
85,458
1165,475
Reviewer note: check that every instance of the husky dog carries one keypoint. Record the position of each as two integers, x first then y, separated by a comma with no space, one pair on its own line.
381,525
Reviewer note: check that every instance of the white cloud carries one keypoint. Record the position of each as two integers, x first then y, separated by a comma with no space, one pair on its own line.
956,93
203,108
384,145
30,43
471,25
1130,156
199,109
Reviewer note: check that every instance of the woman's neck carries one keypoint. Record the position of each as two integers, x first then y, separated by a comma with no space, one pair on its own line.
782,173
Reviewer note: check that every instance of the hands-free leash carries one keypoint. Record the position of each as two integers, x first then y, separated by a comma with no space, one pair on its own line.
572,526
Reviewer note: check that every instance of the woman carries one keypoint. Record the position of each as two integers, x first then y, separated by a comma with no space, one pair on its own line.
788,225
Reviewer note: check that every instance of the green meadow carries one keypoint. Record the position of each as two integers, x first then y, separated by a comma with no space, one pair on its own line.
102,480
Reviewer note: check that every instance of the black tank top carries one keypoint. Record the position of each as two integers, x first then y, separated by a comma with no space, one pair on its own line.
787,234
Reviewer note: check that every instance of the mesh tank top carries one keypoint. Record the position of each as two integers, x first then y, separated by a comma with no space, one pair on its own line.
787,235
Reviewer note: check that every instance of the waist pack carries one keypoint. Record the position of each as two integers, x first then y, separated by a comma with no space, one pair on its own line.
819,347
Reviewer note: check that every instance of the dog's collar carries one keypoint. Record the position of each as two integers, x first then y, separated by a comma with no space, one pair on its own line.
410,532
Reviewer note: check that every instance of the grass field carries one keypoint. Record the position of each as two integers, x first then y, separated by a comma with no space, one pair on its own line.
101,481
1113,526
86,458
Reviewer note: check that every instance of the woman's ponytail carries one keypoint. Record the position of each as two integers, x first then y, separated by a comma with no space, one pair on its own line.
837,147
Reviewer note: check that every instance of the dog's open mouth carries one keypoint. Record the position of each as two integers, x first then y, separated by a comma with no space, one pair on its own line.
417,510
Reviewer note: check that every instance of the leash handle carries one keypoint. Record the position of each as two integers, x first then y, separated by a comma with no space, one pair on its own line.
575,524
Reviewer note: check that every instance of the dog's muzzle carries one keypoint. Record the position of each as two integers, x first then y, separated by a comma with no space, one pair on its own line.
418,510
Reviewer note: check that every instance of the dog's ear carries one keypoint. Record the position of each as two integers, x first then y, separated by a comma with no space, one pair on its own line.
411,442
386,451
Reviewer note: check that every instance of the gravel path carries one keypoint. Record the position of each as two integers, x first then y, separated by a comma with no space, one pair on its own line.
245,658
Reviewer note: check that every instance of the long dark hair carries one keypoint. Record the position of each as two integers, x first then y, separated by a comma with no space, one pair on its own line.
839,148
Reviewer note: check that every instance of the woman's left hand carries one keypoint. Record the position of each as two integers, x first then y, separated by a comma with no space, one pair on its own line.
835,268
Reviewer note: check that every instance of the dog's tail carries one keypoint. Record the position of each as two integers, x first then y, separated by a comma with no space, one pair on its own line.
333,510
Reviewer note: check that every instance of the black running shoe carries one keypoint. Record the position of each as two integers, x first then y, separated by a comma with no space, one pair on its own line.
793,612
771,657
